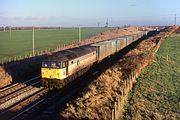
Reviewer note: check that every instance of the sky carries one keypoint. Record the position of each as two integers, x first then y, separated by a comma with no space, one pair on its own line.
71,13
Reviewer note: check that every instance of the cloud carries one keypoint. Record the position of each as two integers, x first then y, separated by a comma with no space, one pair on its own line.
132,5
30,20
3,12
33,18
26,18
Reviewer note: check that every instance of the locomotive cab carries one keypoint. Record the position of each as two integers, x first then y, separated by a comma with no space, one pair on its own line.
54,69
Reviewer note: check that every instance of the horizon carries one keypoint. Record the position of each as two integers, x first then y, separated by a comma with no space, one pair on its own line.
89,13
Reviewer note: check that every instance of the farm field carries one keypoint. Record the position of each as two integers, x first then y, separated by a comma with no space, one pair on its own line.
19,42
157,91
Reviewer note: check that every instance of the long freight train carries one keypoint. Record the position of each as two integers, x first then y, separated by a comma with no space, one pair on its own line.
64,66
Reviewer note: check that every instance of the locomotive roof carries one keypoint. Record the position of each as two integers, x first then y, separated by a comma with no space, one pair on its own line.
71,54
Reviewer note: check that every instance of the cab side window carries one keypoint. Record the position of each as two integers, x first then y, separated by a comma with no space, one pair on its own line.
78,62
53,65
63,64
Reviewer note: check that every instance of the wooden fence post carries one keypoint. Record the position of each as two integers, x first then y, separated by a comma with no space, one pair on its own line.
115,109
125,86
132,78
9,59
112,114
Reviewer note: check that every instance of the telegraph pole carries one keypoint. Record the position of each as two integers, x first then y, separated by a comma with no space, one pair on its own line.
79,33
98,24
175,19
33,40
107,22
10,32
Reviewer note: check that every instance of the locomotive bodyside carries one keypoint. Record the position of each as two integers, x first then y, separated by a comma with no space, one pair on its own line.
79,63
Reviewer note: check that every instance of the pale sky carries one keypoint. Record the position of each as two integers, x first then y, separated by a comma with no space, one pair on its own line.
88,12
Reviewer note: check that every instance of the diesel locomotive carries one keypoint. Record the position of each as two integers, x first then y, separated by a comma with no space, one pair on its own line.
64,66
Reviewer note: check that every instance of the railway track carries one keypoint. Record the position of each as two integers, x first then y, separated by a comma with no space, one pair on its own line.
14,87
17,89
45,107
23,104
17,96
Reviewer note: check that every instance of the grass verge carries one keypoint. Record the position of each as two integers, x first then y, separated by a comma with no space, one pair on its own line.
156,95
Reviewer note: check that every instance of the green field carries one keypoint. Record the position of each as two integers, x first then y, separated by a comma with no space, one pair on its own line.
156,94
19,42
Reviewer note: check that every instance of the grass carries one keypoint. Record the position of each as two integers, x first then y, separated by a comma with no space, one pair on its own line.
19,42
156,94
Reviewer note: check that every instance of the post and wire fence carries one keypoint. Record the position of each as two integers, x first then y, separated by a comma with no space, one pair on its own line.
33,40
64,36
79,33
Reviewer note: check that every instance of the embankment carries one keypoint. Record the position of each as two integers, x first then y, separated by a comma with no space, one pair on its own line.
105,97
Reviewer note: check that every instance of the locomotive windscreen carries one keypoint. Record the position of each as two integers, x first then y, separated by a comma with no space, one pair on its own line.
48,64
